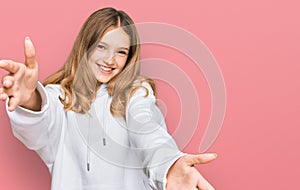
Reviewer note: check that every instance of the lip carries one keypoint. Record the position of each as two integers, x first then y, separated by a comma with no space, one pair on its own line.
105,69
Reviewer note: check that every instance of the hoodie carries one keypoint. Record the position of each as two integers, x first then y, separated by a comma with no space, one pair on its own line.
97,150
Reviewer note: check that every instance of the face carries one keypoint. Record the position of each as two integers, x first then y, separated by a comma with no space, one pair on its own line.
110,55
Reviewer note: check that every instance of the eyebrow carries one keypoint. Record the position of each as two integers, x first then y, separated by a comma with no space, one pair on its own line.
119,47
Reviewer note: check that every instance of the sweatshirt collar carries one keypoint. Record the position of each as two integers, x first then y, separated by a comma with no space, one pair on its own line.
102,90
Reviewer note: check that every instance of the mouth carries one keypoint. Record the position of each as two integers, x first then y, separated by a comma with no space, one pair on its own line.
105,69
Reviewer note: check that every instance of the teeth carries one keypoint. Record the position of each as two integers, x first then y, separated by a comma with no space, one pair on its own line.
105,68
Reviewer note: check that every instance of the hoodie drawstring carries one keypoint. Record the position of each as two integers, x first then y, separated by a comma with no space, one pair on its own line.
87,145
91,124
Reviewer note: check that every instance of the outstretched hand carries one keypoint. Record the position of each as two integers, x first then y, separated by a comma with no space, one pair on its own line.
19,85
183,174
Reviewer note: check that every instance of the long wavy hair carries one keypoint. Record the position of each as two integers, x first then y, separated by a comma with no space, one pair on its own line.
76,77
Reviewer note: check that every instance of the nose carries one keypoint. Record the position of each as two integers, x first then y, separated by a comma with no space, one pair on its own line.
109,58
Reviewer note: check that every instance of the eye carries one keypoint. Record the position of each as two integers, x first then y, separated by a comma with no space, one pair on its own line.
122,52
101,46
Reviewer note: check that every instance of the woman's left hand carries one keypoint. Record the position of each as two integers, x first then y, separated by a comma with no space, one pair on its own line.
184,176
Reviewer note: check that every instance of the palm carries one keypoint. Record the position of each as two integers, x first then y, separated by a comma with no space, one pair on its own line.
183,174
183,179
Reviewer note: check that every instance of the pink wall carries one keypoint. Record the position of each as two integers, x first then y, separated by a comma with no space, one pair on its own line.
256,44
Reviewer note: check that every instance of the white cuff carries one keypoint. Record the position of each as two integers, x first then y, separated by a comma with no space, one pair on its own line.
44,106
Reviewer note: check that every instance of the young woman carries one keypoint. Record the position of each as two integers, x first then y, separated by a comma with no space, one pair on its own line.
95,122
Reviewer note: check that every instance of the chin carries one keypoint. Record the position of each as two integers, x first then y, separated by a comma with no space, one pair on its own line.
106,80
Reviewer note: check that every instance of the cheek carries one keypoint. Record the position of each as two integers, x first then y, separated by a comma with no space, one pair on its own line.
96,56
121,61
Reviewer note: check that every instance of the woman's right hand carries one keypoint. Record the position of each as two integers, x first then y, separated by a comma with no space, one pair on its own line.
19,85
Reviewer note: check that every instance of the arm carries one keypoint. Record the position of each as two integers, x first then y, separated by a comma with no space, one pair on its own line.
165,165
42,130
149,137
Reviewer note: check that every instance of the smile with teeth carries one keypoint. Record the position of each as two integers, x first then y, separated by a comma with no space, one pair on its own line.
105,69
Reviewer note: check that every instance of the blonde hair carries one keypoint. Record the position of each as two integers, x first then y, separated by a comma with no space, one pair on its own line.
76,77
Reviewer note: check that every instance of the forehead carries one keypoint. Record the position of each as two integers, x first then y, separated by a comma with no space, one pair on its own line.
116,37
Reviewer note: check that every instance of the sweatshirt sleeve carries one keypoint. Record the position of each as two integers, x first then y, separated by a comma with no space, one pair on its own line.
40,130
149,138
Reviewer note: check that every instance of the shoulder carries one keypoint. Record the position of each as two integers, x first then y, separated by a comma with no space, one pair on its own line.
143,86
54,90
142,91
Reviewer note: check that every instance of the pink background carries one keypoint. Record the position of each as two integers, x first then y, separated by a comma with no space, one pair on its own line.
256,44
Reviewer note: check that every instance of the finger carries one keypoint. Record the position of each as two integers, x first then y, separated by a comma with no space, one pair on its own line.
8,81
9,66
203,184
8,91
12,103
3,96
193,159
29,51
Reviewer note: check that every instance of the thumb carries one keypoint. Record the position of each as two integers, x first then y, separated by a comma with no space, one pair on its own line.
29,52
193,159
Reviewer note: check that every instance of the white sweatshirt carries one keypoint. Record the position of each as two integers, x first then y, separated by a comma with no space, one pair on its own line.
96,150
